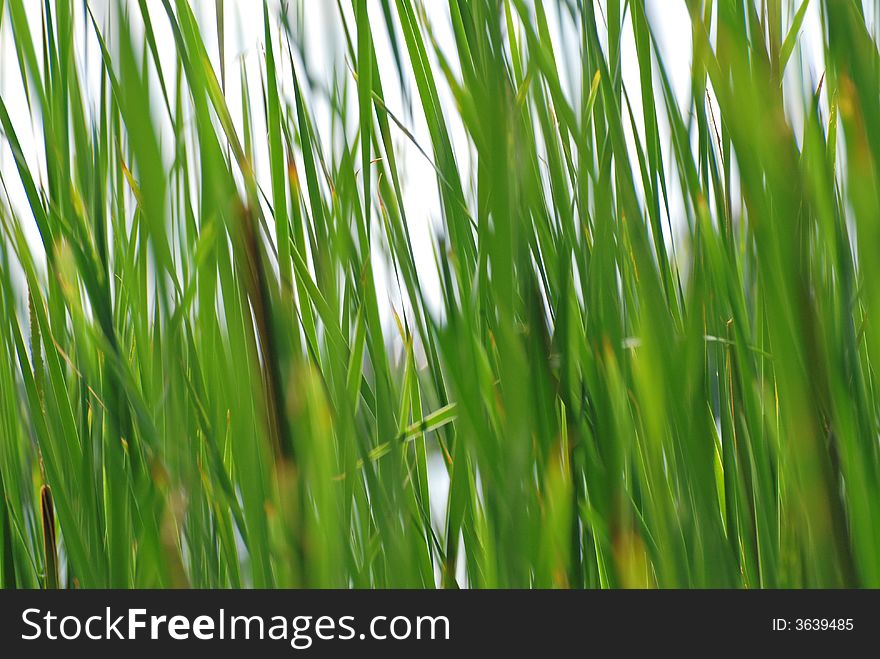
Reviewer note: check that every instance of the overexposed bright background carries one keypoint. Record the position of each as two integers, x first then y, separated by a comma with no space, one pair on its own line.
323,54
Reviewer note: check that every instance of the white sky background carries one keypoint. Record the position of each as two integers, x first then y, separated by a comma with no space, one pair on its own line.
325,51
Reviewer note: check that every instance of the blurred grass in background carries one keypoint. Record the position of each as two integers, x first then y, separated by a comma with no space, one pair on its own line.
652,361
